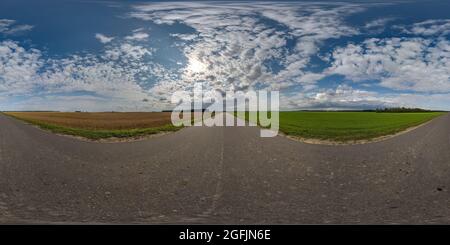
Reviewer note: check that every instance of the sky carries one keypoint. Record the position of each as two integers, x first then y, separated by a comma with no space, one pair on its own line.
87,55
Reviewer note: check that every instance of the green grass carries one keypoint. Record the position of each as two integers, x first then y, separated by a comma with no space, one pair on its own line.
100,134
349,126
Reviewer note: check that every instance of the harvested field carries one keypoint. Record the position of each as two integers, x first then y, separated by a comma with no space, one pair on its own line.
98,120
100,125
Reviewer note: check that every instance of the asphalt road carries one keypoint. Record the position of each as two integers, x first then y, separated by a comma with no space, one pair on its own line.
223,175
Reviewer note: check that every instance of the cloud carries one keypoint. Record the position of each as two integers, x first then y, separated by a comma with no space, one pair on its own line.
439,101
127,51
102,38
184,37
237,46
234,42
412,64
378,23
137,36
428,28
67,102
9,27
343,97
18,68
27,73
5,24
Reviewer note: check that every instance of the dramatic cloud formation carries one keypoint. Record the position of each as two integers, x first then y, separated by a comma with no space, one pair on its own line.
311,52
18,68
399,63
236,41
113,75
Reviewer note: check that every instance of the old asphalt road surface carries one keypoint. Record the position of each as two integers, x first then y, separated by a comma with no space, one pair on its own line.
223,175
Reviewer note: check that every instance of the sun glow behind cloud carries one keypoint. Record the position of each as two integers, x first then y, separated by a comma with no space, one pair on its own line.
195,66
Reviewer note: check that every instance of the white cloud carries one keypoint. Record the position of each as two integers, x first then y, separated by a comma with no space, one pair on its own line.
137,36
25,72
378,23
127,51
233,41
66,102
413,64
230,50
18,68
9,27
5,24
429,28
185,37
343,97
439,101
103,38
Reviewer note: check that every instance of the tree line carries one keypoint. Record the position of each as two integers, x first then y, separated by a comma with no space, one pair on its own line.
401,109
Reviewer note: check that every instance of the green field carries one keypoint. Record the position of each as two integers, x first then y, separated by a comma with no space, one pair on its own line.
348,126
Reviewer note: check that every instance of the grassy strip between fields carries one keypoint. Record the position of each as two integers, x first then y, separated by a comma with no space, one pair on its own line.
348,126
99,134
